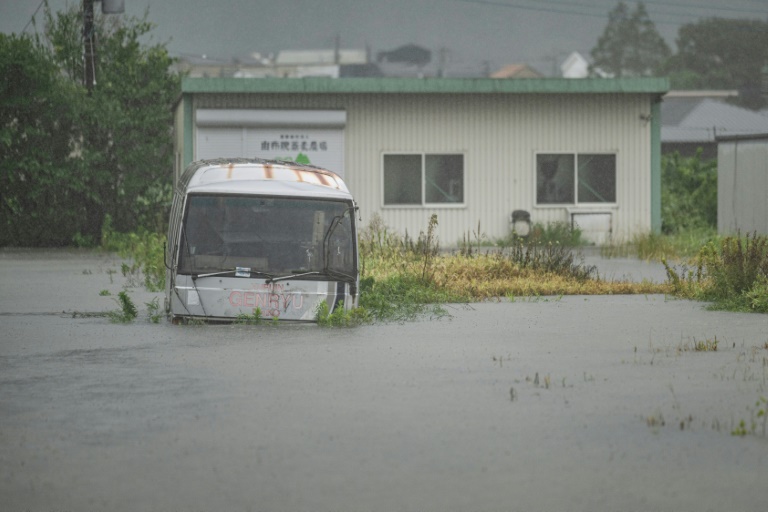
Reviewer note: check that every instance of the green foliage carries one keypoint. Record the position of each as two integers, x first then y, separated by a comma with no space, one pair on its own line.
630,44
549,257
154,314
733,274
108,153
39,202
758,415
659,246
252,319
145,251
340,317
688,193
408,292
737,271
127,312
561,233
402,297
721,53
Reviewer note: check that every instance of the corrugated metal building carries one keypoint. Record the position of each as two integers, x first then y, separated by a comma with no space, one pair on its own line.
742,184
470,150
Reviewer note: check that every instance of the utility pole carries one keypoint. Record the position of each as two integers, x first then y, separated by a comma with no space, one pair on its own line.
89,37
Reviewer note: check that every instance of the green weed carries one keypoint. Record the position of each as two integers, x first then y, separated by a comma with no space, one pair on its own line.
154,314
252,319
127,312
340,317
758,417
731,274
145,251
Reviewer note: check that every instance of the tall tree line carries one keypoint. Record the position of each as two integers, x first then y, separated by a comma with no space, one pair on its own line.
713,53
70,160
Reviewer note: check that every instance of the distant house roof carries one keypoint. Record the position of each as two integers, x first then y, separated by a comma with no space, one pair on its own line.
575,66
686,119
517,71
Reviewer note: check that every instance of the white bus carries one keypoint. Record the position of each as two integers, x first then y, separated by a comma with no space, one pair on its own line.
252,235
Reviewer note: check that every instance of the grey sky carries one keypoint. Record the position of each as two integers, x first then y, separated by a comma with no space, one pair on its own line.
539,33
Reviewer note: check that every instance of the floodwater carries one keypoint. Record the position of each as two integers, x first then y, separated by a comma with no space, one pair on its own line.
579,403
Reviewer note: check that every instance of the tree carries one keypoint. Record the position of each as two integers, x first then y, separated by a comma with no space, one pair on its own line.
70,160
630,44
37,204
719,53
688,193
124,133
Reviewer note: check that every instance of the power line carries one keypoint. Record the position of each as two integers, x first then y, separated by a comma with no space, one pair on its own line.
562,7
32,19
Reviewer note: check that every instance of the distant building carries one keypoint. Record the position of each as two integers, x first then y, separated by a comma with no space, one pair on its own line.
693,120
585,152
286,64
577,66
517,71
742,184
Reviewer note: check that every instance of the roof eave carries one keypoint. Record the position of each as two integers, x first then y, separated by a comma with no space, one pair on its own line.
650,85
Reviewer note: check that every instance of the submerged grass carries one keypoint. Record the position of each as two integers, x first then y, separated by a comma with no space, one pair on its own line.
404,279
731,274
658,247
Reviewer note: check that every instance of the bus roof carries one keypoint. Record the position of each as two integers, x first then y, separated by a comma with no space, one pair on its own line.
252,176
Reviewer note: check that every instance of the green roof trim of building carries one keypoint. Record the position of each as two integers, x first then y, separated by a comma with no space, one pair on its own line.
425,85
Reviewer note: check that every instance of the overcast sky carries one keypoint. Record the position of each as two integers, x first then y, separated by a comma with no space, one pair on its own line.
540,33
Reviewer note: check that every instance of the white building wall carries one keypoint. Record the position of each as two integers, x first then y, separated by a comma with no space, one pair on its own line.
742,187
499,136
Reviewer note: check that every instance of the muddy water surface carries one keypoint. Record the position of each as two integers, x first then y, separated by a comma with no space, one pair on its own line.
583,403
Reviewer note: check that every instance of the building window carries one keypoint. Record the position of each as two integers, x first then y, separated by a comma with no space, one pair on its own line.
423,179
568,178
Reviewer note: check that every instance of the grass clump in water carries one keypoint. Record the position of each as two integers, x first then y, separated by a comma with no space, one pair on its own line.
731,274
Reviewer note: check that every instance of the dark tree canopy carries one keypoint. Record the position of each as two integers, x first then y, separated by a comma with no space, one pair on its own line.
70,160
630,44
719,53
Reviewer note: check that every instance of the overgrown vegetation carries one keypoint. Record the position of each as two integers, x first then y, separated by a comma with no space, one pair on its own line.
688,194
403,279
561,233
656,246
340,317
732,274
145,252
252,319
688,213
127,311
68,157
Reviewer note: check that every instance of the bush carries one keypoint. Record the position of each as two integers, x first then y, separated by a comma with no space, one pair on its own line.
688,193
145,251
732,274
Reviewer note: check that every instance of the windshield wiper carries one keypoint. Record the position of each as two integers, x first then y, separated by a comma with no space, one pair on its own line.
239,272
283,278
341,276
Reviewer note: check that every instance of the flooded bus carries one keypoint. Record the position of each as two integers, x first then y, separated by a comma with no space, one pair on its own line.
248,235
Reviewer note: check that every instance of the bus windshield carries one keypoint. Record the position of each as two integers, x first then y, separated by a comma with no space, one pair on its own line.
271,236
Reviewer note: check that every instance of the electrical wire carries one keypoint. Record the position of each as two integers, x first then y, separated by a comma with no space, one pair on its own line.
571,8
32,19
